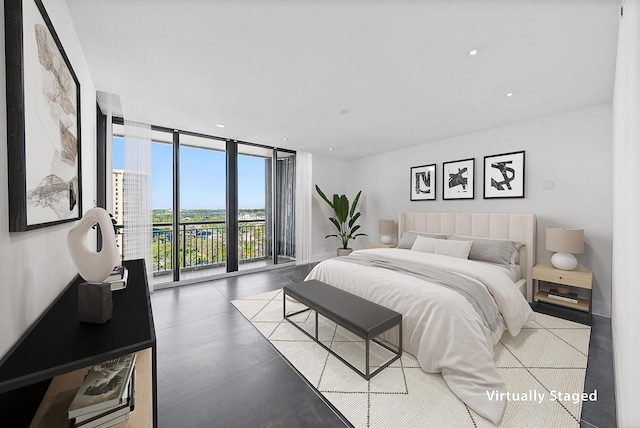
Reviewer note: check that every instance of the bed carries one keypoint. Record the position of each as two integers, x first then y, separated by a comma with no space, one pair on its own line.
454,309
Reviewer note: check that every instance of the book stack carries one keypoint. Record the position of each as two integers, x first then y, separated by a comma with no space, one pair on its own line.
565,297
106,396
118,278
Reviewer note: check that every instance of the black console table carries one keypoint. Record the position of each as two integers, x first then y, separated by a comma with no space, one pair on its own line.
53,355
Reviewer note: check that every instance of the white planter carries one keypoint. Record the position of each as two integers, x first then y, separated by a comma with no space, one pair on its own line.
344,251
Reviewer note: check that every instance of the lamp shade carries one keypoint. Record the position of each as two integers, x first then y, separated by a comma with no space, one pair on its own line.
565,240
386,227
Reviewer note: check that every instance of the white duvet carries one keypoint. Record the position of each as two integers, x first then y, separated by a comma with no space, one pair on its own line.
440,327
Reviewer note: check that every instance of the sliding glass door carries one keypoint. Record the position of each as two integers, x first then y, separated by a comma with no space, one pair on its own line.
161,199
202,234
255,247
162,242
218,205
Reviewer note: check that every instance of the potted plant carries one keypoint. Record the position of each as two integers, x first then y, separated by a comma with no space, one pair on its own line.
344,220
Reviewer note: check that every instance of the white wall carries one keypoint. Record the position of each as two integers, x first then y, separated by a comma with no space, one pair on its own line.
625,317
35,265
572,149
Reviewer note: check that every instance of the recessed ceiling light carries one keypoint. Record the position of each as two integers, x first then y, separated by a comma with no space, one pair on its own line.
509,94
343,111
330,148
285,139
473,52
220,125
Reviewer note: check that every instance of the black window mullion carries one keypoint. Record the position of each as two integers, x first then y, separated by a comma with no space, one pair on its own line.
274,212
232,206
176,207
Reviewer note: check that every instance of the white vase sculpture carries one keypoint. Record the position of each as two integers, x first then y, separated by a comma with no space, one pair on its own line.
93,266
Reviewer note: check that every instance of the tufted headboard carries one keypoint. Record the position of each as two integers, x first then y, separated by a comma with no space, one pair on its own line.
517,227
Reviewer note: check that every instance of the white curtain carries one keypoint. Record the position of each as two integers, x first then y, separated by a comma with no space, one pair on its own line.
304,192
625,317
137,194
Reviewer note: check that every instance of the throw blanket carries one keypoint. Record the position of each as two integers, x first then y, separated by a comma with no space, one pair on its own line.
475,293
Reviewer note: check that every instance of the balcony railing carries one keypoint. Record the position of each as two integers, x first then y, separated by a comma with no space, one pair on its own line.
203,244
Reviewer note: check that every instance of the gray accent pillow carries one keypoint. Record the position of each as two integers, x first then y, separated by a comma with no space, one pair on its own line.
409,237
501,251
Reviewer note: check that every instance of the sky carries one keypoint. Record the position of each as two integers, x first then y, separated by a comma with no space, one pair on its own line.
202,177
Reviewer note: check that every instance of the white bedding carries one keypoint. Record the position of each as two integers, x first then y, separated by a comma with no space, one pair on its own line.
440,327
514,273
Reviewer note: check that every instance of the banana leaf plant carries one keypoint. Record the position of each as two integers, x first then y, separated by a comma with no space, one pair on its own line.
345,217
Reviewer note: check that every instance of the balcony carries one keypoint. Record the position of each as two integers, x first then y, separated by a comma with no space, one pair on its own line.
203,248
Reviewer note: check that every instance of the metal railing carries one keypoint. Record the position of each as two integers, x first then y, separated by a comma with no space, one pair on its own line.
203,244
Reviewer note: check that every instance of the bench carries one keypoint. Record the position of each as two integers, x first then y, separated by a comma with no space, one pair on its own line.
363,318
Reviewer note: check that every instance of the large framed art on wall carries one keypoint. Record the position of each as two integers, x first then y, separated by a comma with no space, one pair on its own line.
43,121
504,175
458,179
423,183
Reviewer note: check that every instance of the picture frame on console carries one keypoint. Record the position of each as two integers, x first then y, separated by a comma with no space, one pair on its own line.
504,175
43,121
458,179
423,183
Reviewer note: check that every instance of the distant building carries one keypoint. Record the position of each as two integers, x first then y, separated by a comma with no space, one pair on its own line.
117,197
117,179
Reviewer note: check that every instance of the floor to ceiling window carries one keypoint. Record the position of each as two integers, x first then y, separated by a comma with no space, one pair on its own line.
254,187
202,206
198,186
161,198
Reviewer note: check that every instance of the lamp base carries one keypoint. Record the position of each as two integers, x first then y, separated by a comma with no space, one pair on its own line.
95,303
385,239
564,261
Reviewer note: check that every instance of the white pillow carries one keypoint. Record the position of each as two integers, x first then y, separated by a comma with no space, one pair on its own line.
459,249
408,238
424,244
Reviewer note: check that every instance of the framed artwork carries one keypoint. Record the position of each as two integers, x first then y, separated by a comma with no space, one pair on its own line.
504,175
43,121
423,183
458,179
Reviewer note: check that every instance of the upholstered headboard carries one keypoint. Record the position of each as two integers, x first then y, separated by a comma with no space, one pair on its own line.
517,227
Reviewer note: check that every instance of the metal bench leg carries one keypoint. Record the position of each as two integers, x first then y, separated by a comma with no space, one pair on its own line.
367,359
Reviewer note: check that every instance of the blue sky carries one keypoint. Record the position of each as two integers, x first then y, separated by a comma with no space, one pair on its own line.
202,177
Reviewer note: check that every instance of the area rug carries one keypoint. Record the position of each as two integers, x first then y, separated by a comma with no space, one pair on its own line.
548,357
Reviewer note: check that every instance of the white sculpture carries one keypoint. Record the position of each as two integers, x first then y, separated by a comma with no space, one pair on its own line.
93,266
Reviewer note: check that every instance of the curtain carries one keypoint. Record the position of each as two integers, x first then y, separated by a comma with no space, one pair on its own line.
285,206
304,193
137,194
625,317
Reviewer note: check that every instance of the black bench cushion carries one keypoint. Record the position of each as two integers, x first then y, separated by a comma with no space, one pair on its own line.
358,315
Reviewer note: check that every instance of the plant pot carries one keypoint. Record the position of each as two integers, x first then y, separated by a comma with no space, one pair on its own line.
344,251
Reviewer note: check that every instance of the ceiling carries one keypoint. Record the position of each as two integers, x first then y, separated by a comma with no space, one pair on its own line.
349,78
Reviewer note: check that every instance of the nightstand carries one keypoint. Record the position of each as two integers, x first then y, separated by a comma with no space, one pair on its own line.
381,245
579,278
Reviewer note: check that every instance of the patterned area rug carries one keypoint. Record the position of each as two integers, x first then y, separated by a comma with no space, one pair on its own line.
548,357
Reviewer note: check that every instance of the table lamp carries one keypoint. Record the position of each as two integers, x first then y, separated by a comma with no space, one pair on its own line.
386,231
565,242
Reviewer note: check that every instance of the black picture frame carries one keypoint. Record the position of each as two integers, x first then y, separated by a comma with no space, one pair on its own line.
458,179
43,121
423,182
504,175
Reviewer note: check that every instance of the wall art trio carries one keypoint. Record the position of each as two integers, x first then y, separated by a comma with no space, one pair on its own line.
503,178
